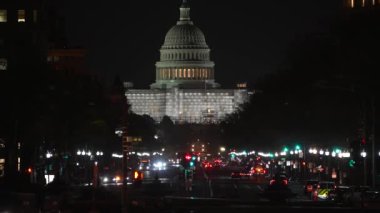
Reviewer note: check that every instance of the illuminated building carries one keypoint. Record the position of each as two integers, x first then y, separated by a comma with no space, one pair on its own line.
185,87
362,3
20,30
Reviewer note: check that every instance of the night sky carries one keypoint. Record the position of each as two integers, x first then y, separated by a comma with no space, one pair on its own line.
247,38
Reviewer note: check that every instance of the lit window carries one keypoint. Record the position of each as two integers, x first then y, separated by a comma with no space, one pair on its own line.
21,16
35,16
3,16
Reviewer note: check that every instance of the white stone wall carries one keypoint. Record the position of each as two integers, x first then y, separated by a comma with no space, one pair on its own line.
186,105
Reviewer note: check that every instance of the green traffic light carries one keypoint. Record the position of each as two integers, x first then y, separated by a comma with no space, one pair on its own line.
191,163
286,149
351,163
298,147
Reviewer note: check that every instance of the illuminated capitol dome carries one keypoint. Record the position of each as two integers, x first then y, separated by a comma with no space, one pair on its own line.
185,89
184,56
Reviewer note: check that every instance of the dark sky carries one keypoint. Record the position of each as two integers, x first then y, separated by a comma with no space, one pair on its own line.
247,38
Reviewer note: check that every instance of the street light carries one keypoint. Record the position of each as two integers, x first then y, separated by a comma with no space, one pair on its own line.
364,155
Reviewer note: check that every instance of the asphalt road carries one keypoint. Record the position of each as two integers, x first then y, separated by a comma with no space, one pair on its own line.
212,191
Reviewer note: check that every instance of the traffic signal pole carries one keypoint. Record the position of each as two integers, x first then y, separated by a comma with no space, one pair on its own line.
373,142
124,186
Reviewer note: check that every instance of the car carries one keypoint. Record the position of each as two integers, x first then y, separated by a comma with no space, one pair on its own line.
278,182
207,165
325,188
278,188
258,170
144,165
339,193
309,185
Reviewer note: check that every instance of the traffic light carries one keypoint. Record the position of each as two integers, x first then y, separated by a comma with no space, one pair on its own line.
29,170
363,141
188,160
351,163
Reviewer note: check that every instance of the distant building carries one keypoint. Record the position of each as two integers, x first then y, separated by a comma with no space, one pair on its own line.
361,3
21,32
68,60
185,87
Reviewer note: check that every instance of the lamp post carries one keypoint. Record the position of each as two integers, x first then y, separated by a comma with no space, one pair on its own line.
364,155
123,134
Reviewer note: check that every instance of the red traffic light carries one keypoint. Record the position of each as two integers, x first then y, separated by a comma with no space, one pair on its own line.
363,141
187,157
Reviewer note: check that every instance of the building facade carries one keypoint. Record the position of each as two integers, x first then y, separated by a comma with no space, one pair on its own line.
185,87
361,3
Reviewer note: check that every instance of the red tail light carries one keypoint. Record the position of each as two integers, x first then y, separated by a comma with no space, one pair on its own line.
285,182
271,182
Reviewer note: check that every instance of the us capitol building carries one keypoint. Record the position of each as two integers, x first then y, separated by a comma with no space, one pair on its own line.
185,89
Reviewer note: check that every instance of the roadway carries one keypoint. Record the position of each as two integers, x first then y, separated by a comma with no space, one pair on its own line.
213,190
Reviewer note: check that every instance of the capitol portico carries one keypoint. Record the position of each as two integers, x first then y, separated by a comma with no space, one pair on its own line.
185,87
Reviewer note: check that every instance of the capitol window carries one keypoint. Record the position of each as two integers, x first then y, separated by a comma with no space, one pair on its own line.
20,15
3,16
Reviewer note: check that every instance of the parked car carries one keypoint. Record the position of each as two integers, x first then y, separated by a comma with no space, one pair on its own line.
325,188
338,194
